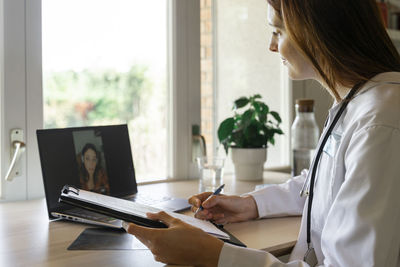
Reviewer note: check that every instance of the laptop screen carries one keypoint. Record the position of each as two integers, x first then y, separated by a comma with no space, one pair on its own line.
95,158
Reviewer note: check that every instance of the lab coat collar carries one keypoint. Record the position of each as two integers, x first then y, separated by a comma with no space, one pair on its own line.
381,77
386,77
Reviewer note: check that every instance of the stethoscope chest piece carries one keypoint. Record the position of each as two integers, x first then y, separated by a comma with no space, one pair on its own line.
310,257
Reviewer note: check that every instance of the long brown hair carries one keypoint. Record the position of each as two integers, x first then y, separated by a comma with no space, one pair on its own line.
345,41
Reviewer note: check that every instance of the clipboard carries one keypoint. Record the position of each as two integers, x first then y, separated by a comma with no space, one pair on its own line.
90,201
114,207
232,239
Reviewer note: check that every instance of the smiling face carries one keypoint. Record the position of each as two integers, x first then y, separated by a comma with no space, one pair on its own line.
90,161
299,68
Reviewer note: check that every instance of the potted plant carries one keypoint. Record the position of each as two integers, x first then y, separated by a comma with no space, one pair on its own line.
248,133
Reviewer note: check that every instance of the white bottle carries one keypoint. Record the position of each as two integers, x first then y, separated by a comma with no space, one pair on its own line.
305,135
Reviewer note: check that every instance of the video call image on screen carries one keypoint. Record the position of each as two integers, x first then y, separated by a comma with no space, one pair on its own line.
97,158
90,160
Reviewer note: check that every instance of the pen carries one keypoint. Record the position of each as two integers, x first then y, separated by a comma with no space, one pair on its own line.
216,192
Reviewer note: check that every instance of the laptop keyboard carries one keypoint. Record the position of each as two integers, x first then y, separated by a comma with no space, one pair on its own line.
89,215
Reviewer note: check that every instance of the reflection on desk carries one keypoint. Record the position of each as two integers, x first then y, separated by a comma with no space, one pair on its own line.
28,238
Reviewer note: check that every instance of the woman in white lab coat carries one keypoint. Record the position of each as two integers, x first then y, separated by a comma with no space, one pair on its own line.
353,205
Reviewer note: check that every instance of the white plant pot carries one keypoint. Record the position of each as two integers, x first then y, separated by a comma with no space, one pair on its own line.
249,163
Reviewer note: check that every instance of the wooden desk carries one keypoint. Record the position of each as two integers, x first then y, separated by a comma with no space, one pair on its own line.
27,238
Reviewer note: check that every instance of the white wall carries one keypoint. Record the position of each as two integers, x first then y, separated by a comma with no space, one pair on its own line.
244,64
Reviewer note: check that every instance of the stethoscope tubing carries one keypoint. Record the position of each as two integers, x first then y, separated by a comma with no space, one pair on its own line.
315,162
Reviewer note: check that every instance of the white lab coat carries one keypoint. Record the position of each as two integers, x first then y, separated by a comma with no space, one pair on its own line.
356,206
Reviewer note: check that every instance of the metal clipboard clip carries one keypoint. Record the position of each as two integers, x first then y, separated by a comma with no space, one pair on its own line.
70,188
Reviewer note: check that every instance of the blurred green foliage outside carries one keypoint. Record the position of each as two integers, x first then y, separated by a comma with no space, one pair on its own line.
94,97
105,97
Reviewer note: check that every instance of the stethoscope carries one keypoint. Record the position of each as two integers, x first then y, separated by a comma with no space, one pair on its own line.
310,256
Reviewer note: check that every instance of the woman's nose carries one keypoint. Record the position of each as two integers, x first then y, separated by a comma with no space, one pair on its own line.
273,45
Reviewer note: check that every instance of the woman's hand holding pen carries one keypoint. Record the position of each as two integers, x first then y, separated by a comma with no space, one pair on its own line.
182,243
223,209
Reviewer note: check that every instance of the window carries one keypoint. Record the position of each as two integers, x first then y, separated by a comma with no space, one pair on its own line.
102,66
22,79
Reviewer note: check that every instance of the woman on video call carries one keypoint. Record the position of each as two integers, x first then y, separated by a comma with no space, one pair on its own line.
351,214
92,176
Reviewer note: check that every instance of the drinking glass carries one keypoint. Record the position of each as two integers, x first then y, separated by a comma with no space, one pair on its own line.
211,172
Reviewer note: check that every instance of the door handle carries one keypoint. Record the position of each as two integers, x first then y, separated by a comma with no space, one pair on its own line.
17,149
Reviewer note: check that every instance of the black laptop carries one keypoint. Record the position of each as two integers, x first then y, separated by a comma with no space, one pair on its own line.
98,159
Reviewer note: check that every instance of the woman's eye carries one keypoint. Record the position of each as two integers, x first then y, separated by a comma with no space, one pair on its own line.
276,33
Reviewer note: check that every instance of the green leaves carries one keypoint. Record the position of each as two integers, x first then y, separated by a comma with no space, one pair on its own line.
225,128
247,118
276,116
252,128
241,102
